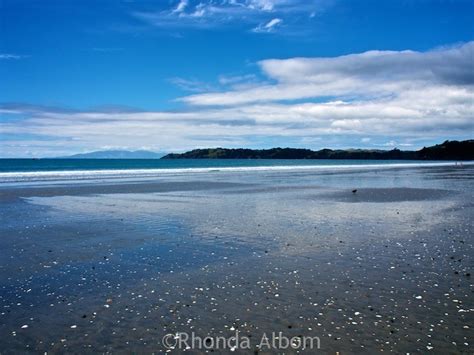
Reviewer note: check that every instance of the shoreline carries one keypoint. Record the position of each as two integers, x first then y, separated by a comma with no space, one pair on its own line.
154,172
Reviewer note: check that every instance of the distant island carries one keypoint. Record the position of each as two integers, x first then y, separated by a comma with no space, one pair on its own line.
449,150
115,154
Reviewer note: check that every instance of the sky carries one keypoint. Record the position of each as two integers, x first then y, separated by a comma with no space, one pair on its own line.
175,75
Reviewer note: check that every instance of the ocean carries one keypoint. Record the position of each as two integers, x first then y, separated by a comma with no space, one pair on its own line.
34,165
30,170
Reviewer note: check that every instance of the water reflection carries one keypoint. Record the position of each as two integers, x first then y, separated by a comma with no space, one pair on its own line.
273,252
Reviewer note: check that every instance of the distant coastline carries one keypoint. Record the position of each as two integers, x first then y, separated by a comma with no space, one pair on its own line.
448,150
115,154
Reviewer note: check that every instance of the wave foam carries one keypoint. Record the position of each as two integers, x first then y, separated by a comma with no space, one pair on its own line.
32,176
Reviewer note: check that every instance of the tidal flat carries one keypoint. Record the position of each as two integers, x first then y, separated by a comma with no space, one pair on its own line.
113,266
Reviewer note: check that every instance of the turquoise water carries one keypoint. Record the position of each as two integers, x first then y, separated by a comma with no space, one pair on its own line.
44,165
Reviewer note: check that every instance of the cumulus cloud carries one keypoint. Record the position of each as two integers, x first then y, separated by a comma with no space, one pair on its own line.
369,74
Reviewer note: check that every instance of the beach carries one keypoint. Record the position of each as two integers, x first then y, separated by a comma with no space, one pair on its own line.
365,258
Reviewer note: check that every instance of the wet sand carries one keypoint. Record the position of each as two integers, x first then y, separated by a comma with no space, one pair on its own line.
113,267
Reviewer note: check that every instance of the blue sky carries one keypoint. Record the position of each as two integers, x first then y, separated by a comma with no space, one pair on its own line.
77,76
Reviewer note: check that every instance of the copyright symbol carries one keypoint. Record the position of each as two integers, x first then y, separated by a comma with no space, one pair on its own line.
169,341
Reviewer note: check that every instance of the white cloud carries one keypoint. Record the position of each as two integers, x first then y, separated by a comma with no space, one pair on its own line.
191,85
181,6
369,74
10,56
265,5
261,15
374,97
391,143
236,79
269,26
234,126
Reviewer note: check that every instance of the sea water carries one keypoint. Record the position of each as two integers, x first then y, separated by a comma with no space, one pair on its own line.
28,170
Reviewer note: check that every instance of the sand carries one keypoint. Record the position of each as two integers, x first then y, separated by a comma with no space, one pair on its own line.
113,267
